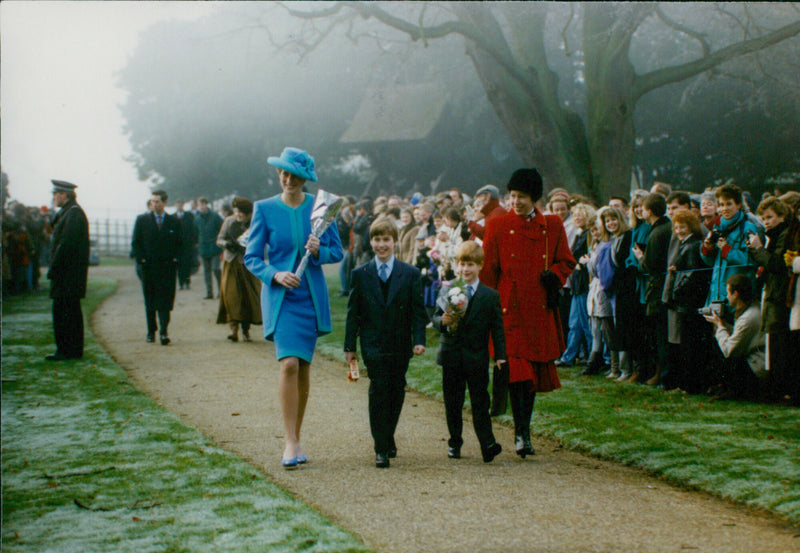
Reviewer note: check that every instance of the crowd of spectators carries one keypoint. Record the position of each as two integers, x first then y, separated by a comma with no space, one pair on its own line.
26,236
676,290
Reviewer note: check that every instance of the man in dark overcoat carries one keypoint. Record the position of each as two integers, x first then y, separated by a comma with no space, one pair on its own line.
156,245
187,260
69,268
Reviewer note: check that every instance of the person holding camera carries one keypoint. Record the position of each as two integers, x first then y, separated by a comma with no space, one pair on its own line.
741,344
725,247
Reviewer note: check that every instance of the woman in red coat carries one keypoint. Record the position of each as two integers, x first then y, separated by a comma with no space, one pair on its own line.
528,253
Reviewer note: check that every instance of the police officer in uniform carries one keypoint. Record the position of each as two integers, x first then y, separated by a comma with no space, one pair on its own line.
69,268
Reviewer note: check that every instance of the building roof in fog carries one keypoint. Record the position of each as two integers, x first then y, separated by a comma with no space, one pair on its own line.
407,112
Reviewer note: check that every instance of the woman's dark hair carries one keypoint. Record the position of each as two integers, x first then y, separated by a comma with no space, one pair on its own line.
242,204
729,192
452,213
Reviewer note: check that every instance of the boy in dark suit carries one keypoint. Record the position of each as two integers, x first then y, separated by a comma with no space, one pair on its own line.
464,352
386,310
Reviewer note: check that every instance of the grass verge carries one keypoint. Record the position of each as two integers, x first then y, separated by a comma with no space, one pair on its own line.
745,452
91,464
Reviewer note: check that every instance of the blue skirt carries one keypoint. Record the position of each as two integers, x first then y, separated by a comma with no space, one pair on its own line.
296,328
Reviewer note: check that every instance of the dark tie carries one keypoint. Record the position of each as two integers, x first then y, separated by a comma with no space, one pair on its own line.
469,291
383,272
159,219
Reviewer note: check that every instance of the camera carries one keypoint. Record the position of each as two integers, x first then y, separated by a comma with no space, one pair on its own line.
715,307
713,236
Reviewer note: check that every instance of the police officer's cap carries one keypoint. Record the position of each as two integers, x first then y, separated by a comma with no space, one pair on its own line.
63,186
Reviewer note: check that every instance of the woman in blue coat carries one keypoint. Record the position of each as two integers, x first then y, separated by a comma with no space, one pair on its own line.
295,310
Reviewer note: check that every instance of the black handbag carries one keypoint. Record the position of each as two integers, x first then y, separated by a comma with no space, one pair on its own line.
499,389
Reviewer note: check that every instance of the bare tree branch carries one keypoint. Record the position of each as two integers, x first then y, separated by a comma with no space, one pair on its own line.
660,77
419,32
722,10
699,37
564,30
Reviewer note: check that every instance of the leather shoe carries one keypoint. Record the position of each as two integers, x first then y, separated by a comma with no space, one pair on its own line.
57,357
454,452
165,340
524,447
151,337
392,453
208,297
233,337
491,452
382,460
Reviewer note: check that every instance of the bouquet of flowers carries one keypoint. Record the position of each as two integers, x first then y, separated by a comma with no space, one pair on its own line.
453,300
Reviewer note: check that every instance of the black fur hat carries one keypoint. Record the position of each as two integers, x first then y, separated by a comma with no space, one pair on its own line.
527,181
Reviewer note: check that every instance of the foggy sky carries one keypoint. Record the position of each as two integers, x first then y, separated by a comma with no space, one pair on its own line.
59,102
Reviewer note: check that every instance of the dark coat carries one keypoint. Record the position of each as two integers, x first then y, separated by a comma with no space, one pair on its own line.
468,345
775,279
188,234
579,279
208,226
654,263
685,291
157,251
390,327
69,254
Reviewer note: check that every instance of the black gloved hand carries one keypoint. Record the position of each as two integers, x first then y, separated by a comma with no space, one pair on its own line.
552,286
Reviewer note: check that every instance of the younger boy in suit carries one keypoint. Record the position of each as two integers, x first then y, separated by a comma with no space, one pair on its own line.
464,352
386,310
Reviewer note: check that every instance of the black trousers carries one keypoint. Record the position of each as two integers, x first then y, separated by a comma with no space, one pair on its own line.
68,326
163,320
387,392
455,379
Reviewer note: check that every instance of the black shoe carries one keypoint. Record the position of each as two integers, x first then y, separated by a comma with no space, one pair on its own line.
165,340
523,446
392,453
491,452
519,445
594,367
382,460
57,357
151,337
454,452
208,297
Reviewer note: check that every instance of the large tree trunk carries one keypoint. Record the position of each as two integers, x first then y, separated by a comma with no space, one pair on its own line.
545,134
607,32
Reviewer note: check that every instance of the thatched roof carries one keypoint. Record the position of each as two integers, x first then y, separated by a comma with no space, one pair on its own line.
406,112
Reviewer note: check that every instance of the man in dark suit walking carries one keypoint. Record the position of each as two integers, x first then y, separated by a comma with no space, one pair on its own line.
69,268
156,246
386,310
464,350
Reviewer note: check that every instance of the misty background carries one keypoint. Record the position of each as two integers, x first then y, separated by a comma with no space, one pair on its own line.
192,97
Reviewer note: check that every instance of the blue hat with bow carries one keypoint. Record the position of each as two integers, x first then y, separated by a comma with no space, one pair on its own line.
296,161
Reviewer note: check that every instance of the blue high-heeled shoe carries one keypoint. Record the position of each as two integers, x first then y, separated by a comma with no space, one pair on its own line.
289,463
302,459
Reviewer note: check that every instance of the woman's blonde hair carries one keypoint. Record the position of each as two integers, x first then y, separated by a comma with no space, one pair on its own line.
586,211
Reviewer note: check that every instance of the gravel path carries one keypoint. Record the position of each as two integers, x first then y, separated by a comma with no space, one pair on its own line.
557,501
